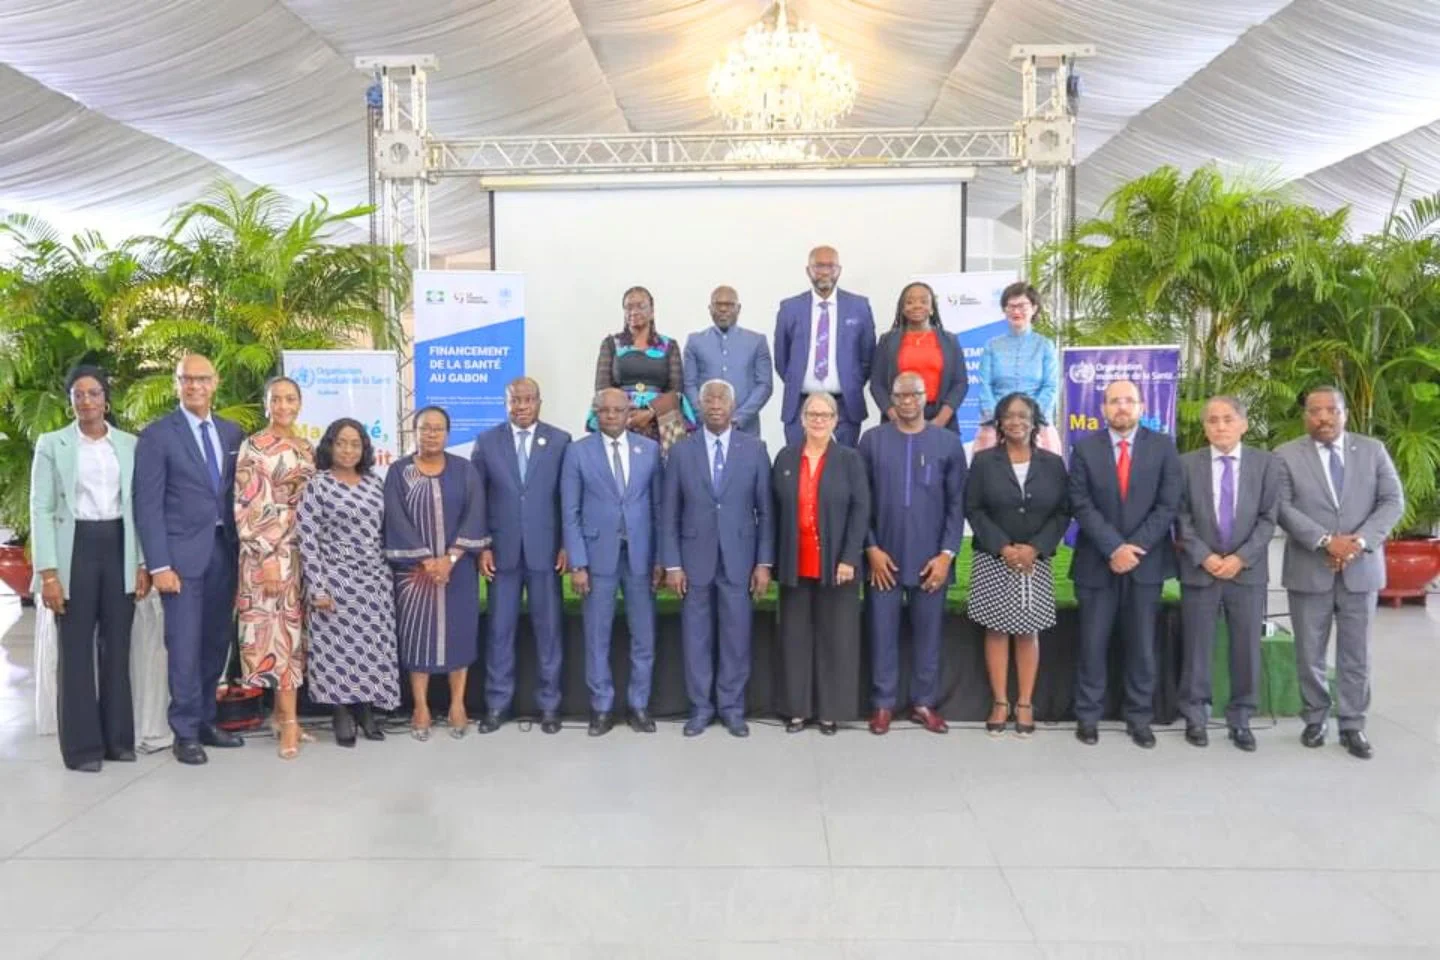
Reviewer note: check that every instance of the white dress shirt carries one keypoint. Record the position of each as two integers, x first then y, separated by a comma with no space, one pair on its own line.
624,441
1217,470
710,439
195,422
831,382
97,474
1324,453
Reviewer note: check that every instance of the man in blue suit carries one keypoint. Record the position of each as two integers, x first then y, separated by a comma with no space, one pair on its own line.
185,516
610,487
717,543
824,341
1125,490
728,352
519,466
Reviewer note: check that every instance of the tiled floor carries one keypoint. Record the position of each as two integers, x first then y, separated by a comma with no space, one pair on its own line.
858,848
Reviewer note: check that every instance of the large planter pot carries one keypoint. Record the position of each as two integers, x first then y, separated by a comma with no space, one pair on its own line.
1410,565
15,570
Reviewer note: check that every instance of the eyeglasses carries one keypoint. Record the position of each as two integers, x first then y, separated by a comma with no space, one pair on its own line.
433,428
908,395
96,394
819,415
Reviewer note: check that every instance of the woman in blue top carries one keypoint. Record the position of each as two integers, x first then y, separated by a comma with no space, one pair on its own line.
1019,361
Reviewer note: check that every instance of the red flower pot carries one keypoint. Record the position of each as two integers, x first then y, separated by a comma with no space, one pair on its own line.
15,570
1410,565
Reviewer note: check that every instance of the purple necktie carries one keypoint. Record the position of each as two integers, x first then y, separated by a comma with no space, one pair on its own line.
822,342
1227,500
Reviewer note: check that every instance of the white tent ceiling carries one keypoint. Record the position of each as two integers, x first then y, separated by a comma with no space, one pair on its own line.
111,113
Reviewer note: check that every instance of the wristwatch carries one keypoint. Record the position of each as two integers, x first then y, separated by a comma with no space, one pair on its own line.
453,559
1325,541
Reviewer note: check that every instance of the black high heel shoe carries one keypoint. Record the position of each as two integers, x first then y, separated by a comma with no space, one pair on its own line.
1024,729
996,729
369,725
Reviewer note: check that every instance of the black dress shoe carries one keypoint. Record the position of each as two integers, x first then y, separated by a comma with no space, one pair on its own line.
696,726
344,726
123,755
1357,744
794,725
829,727
1087,734
492,721
601,724
89,766
550,722
1144,737
737,726
1243,738
190,752
1313,735
640,721
1197,736
369,725
213,736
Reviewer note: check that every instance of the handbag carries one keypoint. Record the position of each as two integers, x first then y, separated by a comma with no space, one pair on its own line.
669,421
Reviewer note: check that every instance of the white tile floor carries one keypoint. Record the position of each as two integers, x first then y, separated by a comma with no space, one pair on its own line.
526,846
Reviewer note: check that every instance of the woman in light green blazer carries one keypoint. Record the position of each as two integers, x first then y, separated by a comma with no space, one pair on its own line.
88,571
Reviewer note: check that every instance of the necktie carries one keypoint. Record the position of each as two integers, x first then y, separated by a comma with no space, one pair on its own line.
524,454
618,466
211,461
1122,469
719,468
1337,472
822,342
1226,515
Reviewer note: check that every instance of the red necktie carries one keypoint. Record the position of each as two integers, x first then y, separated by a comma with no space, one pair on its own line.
1122,469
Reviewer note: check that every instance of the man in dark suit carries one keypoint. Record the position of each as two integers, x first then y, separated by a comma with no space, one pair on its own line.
726,351
519,466
1227,517
824,342
1125,492
717,544
1339,499
185,516
610,489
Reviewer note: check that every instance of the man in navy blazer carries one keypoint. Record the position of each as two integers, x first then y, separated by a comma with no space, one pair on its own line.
824,342
185,517
610,488
726,351
717,544
1125,489
519,466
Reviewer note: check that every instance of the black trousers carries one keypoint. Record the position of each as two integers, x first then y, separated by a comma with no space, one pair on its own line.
92,721
819,651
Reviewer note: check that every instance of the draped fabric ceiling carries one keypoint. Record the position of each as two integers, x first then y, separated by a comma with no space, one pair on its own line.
112,113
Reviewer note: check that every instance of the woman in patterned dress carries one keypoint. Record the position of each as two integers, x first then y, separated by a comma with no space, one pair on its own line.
648,367
1016,502
434,531
348,588
270,475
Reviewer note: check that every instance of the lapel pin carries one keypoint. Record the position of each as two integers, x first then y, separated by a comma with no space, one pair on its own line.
635,449
539,441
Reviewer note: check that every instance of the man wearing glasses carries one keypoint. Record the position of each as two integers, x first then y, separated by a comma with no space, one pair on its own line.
824,343
185,515
917,519
1125,487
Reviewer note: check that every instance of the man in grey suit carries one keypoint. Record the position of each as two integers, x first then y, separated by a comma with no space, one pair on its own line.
1339,499
1227,516
727,352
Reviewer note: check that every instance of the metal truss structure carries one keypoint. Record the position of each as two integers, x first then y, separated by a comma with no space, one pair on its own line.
407,157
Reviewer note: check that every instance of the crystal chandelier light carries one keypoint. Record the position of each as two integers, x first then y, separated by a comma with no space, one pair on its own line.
780,78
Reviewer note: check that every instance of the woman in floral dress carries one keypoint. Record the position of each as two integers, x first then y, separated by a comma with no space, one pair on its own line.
271,472
349,590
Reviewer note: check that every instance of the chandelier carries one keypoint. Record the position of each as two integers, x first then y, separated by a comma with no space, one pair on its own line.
779,79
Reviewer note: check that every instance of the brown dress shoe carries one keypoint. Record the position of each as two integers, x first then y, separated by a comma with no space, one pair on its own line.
880,722
928,718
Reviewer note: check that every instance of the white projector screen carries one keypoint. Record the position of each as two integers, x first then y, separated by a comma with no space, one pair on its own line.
581,249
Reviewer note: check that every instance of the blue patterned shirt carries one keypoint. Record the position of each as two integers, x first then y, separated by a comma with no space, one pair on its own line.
1019,363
